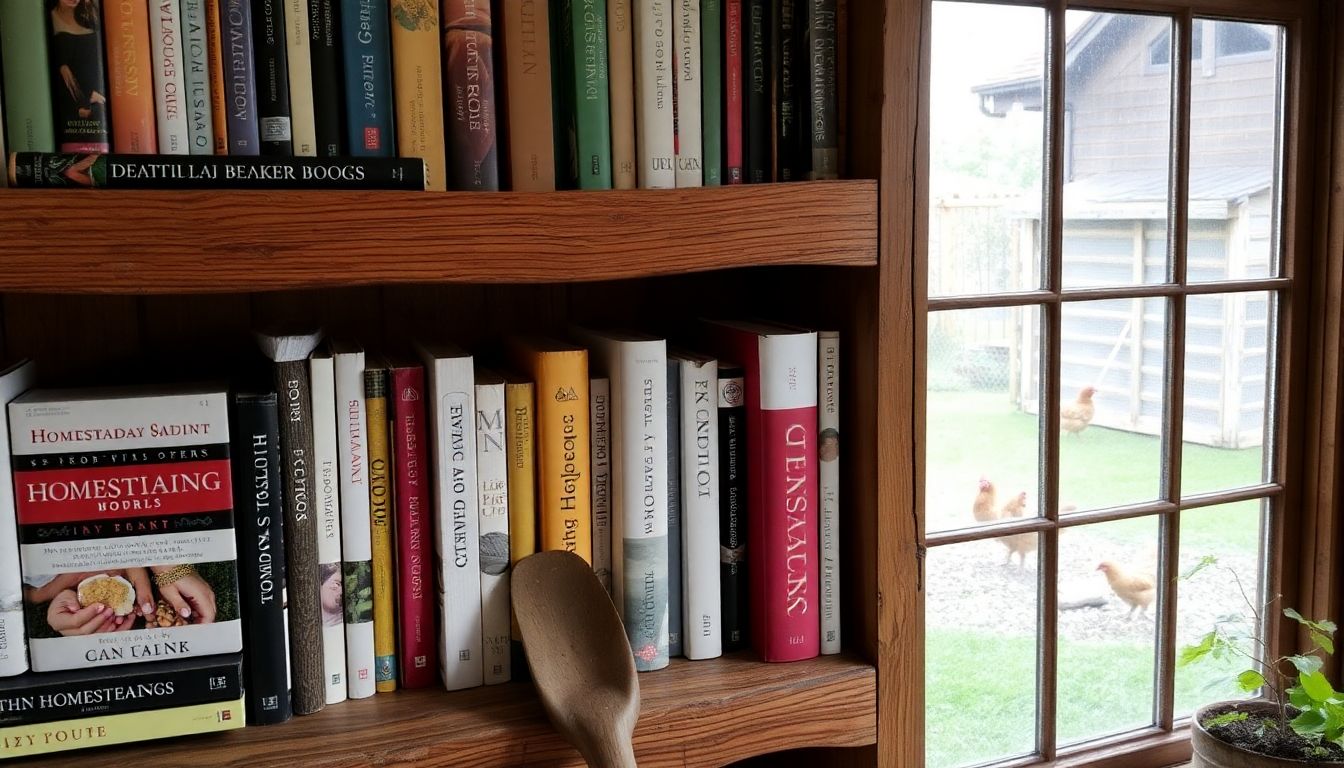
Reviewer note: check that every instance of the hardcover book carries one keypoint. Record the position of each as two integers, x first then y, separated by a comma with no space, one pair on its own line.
582,25
520,408
415,609
259,498
655,51
299,61
757,79
240,82
686,16
734,171
29,125
527,73
14,381
130,84
674,532
324,33
42,169
196,67
352,441
327,498
828,474
169,80
621,82
493,506
418,86
733,496
468,52
599,394
787,67
701,636
125,515
272,61
711,91
380,526
105,730
823,91
367,49
78,79
219,97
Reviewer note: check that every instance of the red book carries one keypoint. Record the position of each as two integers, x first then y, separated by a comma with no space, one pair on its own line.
732,92
782,500
415,606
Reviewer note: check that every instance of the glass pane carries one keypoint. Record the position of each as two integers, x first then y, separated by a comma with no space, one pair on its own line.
1107,628
1235,151
981,652
1223,597
985,149
1112,390
1117,146
983,432
1227,356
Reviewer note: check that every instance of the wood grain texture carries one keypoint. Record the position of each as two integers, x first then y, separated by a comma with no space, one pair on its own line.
703,713
211,241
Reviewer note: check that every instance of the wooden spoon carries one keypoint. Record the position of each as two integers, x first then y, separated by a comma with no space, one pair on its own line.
579,655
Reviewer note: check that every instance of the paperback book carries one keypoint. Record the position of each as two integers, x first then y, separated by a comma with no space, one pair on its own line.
78,79
196,66
322,370
352,441
383,572
599,392
828,475
106,730
493,505
29,125
169,79
272,61
240,82
14,381
93,171
131,91
411,492
469,81
418,86
699,480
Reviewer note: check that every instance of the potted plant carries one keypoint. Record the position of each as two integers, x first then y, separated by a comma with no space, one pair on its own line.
1298,719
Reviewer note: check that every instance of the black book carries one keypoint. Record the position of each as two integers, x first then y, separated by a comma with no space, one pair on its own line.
674,557
64,169
46,697
757,80
290,354
733,506
324,34
821,136
272,67
788,63
258,500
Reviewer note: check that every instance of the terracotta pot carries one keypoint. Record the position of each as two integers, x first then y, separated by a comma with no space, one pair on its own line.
1211,752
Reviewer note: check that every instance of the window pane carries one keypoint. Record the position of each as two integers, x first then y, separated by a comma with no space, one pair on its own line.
980,678
1112,390
1227,355
1117,147
986,148
1224,597
1107,628
983,435
1235,152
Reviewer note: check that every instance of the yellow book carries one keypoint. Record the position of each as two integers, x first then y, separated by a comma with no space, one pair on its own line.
518,405
417,85
105,730
562,434
380,512
219,99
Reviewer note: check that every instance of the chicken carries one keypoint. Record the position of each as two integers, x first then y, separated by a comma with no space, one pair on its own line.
984,508
1074,417
1021,544
1137,590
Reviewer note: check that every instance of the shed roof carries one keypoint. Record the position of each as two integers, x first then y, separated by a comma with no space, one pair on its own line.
1143,194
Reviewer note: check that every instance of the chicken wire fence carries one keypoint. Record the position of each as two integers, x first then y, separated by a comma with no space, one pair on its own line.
971,351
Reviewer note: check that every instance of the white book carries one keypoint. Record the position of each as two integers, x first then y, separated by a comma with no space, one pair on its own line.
686,15
492,475
828,477
654,73
451,381
13,647
636,364
165,35
356,540
599,413
702,626
302,117
200,114
322,376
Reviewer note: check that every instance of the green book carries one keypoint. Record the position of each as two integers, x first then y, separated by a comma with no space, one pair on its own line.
23,59
583,35
711,90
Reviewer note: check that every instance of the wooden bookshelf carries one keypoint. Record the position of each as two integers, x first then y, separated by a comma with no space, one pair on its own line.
701,713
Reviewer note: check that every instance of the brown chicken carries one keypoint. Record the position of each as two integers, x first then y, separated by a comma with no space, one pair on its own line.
984,508
1137,590
1021,544
1074,417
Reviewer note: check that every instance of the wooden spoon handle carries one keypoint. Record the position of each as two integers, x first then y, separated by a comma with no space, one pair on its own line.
610,752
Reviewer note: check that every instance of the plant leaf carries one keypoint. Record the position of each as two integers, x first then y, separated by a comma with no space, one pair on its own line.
1309,723
1299,698
1326,625
1204,562
1295,616
1322,640
1192,653
1250,681
1316,686
1305,664
1225,718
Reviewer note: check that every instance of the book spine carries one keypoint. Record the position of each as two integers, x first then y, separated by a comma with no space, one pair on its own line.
585,23
758,131
457,543
823,92
520,408
106,730
701,611
78,80
356,547
599,414
828,482
654,97
273,111
196,74
4,177
786,85
299,61
240,83
383,577
734,172
527,74
322,370
301,535
493,504
13,646
621,81
29,116
711,91
39,169
219,109
418,86
563,460
415,611
562,95
261,556
674,531
130,88
687,75
170,83
733,497
325,60
473,163
367,49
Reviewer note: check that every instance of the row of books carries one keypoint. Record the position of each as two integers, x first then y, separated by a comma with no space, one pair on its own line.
380,503
588,94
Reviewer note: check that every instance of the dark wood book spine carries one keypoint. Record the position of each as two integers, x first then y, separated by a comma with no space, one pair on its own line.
324,49
759,130
733,508
268,25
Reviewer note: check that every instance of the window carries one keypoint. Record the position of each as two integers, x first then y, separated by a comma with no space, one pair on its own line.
1102,358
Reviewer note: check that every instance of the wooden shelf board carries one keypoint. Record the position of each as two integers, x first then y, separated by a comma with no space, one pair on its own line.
701,713
126,241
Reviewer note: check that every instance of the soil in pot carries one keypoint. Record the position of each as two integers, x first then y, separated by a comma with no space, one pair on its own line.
1264,735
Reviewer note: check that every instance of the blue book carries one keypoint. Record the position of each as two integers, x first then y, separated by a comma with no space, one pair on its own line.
367,47
239,77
